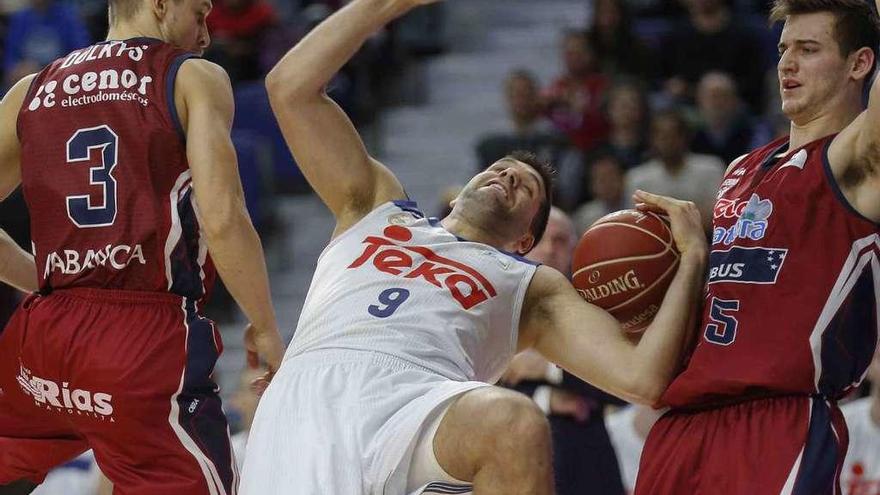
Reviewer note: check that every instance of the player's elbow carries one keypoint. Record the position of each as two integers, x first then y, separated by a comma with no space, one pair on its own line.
284,87
220,218
646,390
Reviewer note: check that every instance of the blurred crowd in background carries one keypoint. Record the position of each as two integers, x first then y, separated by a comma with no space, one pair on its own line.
652,94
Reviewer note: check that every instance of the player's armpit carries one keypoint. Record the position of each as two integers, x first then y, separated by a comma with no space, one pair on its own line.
854,158
10,149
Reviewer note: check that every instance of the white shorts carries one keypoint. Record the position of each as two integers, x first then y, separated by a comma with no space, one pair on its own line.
350,423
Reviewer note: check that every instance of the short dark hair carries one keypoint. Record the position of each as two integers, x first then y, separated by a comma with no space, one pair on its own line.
547,173
857,24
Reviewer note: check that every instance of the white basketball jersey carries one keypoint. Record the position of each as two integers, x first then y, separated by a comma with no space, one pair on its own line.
861,469
400,284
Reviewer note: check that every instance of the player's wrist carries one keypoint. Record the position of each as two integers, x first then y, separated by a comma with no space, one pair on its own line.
695,257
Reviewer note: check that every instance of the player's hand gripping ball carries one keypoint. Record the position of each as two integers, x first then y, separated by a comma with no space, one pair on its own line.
624,264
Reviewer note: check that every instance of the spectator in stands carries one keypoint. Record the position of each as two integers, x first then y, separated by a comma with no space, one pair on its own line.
629,116
574,100
616,46
711,41
583,459
238,29
861,469
39,34
530,131
628,429
726,130
675,170
606,182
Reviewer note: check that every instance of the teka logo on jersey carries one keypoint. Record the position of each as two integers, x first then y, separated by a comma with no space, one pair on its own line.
60,398
752,219
465,285
73,262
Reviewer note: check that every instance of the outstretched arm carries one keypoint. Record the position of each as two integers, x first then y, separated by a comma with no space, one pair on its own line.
323,140
16,265
204,101
589,343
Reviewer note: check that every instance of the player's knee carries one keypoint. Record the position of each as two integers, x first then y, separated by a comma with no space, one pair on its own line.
520,422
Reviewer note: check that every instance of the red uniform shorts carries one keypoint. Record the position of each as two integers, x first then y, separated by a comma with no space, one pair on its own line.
127,374
792,445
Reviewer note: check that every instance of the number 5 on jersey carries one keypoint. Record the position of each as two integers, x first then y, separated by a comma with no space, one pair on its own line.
722,329
79,149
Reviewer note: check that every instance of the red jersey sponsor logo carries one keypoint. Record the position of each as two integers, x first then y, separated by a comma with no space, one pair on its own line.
465,284
62,397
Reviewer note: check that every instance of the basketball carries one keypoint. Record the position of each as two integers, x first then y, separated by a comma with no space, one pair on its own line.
624,263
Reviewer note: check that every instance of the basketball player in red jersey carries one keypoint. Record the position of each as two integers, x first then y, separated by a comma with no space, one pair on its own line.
124,153
791,317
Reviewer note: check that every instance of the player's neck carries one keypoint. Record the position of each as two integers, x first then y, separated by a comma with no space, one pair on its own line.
133,29
823,124
464,229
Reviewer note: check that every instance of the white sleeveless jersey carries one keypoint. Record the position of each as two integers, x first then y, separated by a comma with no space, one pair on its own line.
398,283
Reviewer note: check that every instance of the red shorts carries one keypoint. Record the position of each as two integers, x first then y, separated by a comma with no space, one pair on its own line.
783,445
126,374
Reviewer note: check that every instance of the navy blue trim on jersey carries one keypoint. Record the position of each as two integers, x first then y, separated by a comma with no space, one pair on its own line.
832,182
186,273
443,487
170,78
817,471
200,408
77,464
849,340
409,207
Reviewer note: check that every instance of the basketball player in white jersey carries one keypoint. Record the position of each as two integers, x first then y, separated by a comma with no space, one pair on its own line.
385,386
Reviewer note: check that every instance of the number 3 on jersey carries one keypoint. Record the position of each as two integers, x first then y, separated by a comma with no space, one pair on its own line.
390,300
79,149
722,330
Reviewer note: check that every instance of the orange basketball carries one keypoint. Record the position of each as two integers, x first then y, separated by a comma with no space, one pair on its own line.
624,263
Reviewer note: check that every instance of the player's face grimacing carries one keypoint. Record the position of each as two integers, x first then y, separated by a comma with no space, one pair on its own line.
505,197
184,24
811,69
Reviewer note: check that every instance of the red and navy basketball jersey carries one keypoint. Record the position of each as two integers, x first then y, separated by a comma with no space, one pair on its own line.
791,301
105,174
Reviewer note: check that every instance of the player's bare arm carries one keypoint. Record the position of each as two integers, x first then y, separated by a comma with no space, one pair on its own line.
323,140
203,96
589,342
17,266
10,149
854,155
